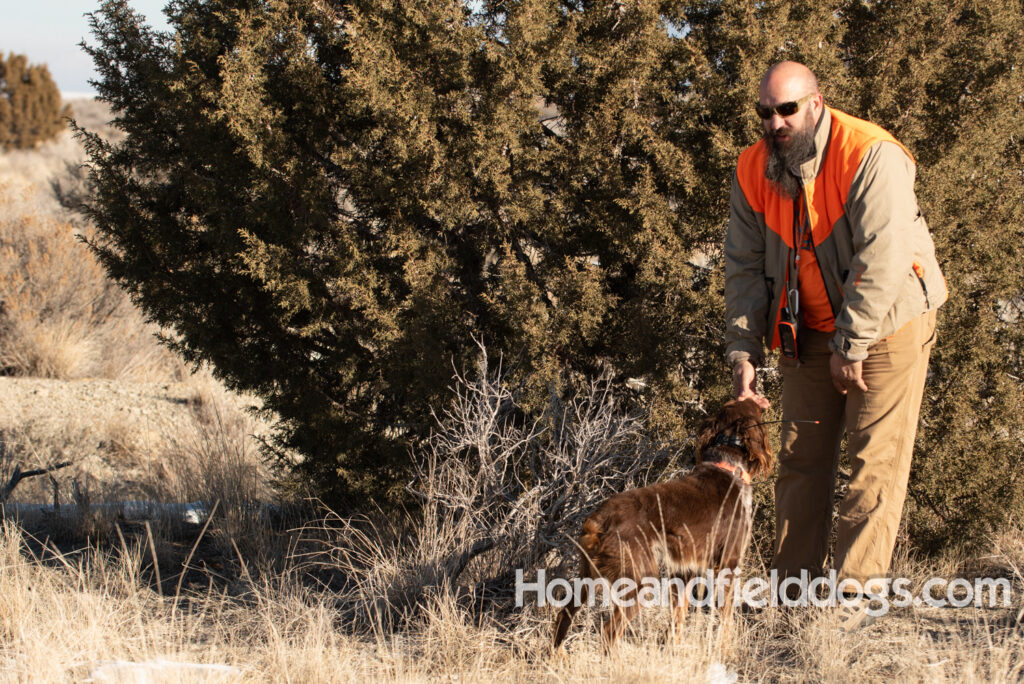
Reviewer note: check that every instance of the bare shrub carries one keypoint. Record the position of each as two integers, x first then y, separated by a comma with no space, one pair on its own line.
493,477
34,445
12,473
500,489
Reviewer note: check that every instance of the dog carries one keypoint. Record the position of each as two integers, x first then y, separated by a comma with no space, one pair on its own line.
699,522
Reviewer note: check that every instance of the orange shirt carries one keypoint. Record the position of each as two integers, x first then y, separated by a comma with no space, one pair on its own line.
815,309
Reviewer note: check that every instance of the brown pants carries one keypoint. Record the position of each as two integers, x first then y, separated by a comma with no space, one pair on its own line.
880,423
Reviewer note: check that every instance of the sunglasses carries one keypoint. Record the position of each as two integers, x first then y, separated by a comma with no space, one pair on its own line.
784,109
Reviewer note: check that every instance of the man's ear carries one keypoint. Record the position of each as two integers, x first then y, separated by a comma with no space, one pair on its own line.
818,103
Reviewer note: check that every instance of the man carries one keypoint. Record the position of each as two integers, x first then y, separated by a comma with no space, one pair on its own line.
828,255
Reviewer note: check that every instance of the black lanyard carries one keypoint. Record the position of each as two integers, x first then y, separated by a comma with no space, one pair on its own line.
793,292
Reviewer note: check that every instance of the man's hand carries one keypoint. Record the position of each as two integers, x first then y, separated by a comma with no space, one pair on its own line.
846,374
744,384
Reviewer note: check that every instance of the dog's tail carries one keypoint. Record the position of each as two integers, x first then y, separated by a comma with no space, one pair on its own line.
590,542
569,610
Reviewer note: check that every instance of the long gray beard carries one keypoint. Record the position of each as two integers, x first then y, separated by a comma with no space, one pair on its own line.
776,169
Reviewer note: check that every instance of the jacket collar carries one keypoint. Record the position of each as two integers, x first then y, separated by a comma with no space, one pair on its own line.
808,170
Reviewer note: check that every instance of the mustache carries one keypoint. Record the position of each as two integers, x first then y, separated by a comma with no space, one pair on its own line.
773,135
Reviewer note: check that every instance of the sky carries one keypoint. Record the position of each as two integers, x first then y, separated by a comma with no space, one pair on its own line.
49,31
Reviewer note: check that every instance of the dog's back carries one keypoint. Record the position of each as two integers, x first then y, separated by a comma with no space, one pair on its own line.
702,520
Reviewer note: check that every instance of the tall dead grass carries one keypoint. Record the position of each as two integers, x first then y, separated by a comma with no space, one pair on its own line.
64,616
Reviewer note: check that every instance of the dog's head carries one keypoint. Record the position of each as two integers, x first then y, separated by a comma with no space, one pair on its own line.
739,418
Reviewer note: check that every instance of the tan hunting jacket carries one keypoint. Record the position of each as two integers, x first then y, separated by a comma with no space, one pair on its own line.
877,260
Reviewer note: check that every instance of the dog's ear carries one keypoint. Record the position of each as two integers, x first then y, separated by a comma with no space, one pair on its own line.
756,439
708,429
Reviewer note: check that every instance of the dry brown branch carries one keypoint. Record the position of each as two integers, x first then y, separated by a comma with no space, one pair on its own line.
18,475
499,488
495,478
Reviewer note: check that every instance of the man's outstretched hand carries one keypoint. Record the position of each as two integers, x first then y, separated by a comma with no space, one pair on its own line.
744,384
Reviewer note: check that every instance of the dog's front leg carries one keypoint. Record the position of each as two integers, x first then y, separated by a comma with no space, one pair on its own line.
680,603
727,595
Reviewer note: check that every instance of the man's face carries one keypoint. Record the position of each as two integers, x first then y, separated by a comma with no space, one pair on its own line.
788,86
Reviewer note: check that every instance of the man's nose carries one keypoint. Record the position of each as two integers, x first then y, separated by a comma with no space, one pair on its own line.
775,121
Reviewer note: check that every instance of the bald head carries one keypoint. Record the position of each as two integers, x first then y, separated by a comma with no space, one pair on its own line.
790,80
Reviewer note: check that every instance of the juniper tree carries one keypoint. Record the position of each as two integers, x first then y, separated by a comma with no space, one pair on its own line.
948,79
30,104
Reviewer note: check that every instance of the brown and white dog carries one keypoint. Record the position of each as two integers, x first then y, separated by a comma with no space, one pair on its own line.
699,522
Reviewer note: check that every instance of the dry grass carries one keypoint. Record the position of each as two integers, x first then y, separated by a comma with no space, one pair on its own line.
60,316
353,599
163,442
40,166
52,160
61,615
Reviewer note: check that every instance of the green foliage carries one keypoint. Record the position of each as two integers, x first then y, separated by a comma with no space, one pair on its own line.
30,104
330,200
953,93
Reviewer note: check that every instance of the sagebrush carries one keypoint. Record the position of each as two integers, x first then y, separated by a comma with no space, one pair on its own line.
61,316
